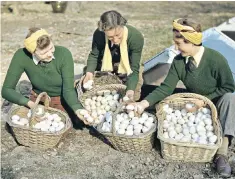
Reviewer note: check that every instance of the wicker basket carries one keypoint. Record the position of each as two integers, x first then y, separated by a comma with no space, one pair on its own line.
89,94
100,79
187,151
36,138
130,144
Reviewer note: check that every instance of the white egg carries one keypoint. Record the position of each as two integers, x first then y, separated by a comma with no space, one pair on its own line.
138,127
183,112
192,130
130,107
55,124
52,129
37,126
24,121
190,124
208,116
209,133
165,107
109,97
172,134
213,139
185,139
185,131
90,119
142,120
189,105
174,120
103,101
195,136
208,121
134,121
125,98
169,110
107,92
168,117
192,118
206,110
99,98
209,127
189,114
145,129
97,104
179,136
199,114
121,131
129,132
181,121
123,126
202,141
165,125
150,119
165,135
116,97
107,108
15,117
144,115
125,116
148,124
137,132
94,114
130,127
177,113
202,133
131,114
178,128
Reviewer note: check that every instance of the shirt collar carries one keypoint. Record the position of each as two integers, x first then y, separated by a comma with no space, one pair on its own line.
198,56
36,60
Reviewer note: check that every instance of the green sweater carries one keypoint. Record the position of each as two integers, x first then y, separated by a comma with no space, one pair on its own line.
135,42
56,78
213,77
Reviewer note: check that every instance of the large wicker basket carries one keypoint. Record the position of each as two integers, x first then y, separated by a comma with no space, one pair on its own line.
185,151
130,144
100,79
36,138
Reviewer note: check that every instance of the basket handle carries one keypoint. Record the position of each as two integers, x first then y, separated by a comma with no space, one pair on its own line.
46,102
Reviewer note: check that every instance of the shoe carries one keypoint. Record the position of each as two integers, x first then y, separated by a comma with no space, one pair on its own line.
222,165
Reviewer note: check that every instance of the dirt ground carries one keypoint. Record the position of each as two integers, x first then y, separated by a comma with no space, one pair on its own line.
82,155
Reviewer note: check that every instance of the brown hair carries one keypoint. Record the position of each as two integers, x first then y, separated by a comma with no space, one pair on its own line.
187,22
111,19
42,41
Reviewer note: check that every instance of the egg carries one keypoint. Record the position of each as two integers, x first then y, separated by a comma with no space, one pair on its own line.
15,117
172,134
185,139
125,116
134,121
190,124
179,136
123,126
90,119
183,112
125,98
138,127
202,141
181,121
202,133
169,110
116,97
189,105
145,129
148,124
177,113
142,120
121,131
130,107
174,120
209,127
192,118
189,114
168,117
107,92
145,115
24,121
209,133
55,124
213,139
192,130
109,97
129,132
165,135
131,114
165,125
195,136
137,132
130,127
52,129
165,107
208,121
206,111
37,126
185,131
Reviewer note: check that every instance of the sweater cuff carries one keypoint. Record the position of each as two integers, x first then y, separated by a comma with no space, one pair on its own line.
23,101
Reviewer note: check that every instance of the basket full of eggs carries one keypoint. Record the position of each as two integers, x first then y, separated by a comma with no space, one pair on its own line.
186,134
99,102
42,127
129,132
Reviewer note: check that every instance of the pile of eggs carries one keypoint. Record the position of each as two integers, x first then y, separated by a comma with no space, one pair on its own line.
97,106
185,126
88,85
129,124
49,123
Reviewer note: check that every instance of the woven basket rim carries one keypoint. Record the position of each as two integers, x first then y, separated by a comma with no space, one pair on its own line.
176,97
68,123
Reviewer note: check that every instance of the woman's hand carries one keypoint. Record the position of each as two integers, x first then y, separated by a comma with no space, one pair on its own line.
81,117
31,104
198,103
85,78
130,95
140,106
